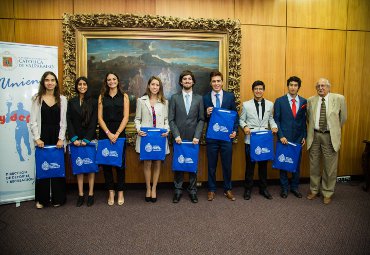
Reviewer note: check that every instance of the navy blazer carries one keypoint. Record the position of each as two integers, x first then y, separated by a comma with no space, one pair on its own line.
293,129
228,102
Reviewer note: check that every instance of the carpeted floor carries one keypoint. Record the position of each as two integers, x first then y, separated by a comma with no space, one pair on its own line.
258,226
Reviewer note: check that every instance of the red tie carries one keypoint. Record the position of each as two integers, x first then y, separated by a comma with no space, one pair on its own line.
294,108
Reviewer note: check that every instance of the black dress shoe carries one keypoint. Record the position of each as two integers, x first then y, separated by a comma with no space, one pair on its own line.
176,198
266,194
296,193
193,198
153,199
148,199
284,194
247,194
90,200
80,201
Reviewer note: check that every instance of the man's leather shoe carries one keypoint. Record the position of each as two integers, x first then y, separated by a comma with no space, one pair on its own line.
327,200
229,195
312,196
193,198
266,194
247,194
176,198
211,195
296,193
284,194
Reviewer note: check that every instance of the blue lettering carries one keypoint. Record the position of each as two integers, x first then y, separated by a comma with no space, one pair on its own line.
7,83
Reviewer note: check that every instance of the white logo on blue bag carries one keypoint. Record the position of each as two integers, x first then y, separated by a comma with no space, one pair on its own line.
282,158
106,153
46,166
181,159
260,150
148,147
217,128
86,161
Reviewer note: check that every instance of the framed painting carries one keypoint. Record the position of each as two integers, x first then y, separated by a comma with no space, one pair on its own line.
137,47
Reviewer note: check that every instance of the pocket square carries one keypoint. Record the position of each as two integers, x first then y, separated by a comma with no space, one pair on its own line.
303,106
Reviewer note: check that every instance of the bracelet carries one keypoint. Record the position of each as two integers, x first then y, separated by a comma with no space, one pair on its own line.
107,132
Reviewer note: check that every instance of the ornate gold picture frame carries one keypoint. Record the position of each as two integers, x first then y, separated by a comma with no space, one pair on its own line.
82,31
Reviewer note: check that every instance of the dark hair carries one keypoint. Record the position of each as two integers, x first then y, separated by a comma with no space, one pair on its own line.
184,73
86,106
216,73
258,83
42,89
161,97
296,79
105,89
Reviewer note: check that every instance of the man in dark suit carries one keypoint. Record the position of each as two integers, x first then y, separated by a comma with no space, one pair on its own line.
186,119
226,100
290,117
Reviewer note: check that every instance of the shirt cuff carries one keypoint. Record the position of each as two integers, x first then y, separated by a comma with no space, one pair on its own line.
85,140
74,138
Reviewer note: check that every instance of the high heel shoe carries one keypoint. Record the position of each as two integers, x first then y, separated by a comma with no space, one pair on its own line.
148,199
153,199
111,201
121,201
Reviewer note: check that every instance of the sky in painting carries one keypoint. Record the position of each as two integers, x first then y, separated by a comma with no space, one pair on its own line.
191,52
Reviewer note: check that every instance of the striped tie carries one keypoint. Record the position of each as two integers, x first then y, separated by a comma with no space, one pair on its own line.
322,120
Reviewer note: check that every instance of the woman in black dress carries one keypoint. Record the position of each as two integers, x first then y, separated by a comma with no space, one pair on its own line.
113,113
48,126
82,120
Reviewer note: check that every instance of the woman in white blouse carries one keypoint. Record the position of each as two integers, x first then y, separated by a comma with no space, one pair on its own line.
152,111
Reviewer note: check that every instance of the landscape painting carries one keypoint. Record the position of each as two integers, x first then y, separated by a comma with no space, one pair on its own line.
136,60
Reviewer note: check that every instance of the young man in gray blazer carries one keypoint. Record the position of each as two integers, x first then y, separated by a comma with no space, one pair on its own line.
186,119
257,115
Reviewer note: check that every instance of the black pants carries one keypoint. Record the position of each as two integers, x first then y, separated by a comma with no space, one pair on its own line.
108,176
249,171
58,191
179,180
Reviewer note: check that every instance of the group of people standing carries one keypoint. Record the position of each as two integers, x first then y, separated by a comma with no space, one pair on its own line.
185,115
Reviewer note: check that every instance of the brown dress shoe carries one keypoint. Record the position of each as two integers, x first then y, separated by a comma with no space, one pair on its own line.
229,195
327,200
312,196
211,195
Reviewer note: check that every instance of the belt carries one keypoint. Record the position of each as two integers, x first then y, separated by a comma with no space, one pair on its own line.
322,131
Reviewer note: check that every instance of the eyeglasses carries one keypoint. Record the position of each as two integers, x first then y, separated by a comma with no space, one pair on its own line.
321,86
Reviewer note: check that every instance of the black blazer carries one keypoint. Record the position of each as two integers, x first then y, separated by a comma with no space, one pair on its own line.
74,120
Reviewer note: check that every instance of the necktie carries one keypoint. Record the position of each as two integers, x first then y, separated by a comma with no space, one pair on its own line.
322,120
218,104
154,117
294,108
260,110
187,103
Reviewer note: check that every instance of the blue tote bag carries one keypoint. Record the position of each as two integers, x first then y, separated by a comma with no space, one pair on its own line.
83,158
49,162
185,157
221,124
262,146
110,153
153,145
287,156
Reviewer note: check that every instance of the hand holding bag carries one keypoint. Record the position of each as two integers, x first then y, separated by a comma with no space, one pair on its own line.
221,124
262,146
83,158
185,157
153,145
110,153
287,156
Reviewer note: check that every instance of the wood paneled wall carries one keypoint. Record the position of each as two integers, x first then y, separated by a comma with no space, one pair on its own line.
280,38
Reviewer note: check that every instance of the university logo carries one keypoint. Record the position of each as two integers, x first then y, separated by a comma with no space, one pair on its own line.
181,159
8,61
218,128
106,153
46,166
260,150
282,158
86,161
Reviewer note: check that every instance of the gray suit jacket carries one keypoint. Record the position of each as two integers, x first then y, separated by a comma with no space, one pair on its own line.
144,117
336,116
249,117
187,126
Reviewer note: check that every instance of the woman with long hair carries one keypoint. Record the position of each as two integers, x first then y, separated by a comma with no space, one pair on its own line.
48,126
152,111
82,120
113,113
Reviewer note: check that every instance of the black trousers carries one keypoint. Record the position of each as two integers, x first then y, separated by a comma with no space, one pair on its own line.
109,180
58,191
179,180
249,171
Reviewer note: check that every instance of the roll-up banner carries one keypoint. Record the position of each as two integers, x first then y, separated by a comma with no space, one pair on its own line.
21,67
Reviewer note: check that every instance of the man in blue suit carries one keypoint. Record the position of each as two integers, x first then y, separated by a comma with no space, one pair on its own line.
221,99
290,117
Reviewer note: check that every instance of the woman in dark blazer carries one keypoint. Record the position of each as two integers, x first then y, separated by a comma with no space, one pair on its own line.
82,119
